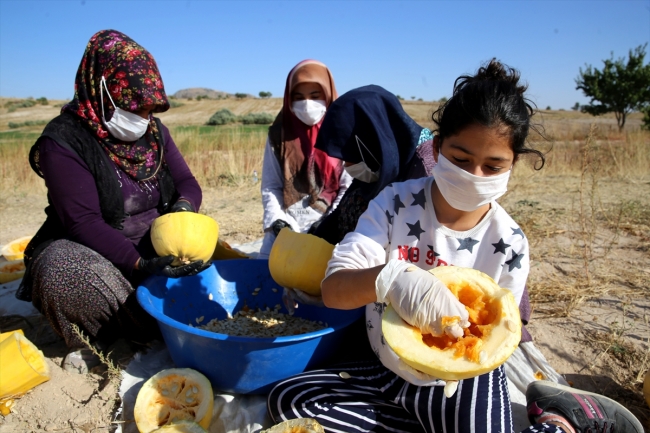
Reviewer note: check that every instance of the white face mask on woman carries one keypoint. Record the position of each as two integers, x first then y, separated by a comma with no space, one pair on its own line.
361,170
465,191
124,125
309,111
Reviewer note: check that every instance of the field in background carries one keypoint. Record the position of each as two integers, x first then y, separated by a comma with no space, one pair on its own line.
586,215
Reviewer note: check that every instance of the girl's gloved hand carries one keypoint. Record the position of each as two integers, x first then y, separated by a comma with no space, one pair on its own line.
292,297
421,299
162,266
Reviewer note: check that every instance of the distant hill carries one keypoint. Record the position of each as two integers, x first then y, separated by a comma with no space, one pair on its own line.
201,91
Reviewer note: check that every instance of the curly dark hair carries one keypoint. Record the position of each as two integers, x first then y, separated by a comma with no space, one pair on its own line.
493,98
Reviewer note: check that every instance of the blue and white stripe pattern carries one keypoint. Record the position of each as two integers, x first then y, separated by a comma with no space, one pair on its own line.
367,397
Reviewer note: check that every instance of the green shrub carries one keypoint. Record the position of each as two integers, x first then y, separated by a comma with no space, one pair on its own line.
14,125
222,117
22,103
240,95
42,100
256,119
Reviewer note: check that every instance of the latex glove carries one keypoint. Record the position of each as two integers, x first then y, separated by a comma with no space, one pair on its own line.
292,297
420,299
279,225
162,266
182,206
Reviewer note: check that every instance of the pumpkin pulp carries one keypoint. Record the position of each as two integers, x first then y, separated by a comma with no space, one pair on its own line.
483,312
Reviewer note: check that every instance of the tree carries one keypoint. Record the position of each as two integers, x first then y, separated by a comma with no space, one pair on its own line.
265,94
240,95
576,106
619,87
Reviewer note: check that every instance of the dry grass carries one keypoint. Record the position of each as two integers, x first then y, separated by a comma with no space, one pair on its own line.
586,213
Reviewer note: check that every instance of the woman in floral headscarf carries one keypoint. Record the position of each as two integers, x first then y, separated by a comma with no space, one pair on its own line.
299,182
110,168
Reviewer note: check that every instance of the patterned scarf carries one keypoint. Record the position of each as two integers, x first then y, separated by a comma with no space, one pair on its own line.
134,82
306,170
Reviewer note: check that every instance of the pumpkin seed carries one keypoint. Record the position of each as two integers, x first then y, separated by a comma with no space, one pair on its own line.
512,326
210,297
344,375
450,388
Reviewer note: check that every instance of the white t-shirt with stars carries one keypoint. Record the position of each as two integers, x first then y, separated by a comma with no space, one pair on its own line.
400,223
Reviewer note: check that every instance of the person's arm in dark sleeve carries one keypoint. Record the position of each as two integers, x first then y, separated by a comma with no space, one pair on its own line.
186,185
73,193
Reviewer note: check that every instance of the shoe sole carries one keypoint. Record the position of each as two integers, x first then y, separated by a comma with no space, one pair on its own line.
623,409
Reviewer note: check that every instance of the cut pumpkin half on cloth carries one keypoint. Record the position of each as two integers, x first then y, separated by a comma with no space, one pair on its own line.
493,334
172,396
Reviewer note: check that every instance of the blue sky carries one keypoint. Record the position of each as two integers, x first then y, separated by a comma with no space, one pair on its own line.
412,48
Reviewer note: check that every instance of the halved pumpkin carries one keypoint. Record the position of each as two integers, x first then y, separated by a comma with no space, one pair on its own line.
299,260
224,251
188,236
301,425
14,250
493,335
173,395
181,427
10,271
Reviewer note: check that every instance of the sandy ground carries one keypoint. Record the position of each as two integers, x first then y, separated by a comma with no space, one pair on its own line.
591,306
601,345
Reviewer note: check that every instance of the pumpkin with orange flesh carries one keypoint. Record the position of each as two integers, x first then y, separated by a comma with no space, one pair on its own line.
493,335
15,249
10,271
171,396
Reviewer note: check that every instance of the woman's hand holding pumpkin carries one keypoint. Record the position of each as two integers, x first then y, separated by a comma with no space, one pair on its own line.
421,299
182,206
162,266
292,297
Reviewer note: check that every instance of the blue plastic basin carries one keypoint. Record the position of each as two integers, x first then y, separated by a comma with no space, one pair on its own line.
242,365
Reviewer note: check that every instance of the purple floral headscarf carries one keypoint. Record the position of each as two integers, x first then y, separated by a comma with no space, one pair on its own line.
134,82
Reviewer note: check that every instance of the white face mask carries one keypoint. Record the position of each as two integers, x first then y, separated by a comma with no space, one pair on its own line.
361,170
124,125
465,191
309,111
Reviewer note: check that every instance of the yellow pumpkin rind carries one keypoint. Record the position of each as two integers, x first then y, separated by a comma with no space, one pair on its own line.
149,396
188,236
10,271
406,341
300,425
181,427
299,260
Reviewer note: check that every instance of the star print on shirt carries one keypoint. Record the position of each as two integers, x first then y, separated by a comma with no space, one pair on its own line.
434,253
467,244
515,261
419,199
500,247
517,231
398,204
415,229
389,216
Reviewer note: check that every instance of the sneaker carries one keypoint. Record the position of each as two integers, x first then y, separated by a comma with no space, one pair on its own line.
587,412
80,361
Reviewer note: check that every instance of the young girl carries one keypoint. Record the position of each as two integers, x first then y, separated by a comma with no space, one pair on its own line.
450,219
